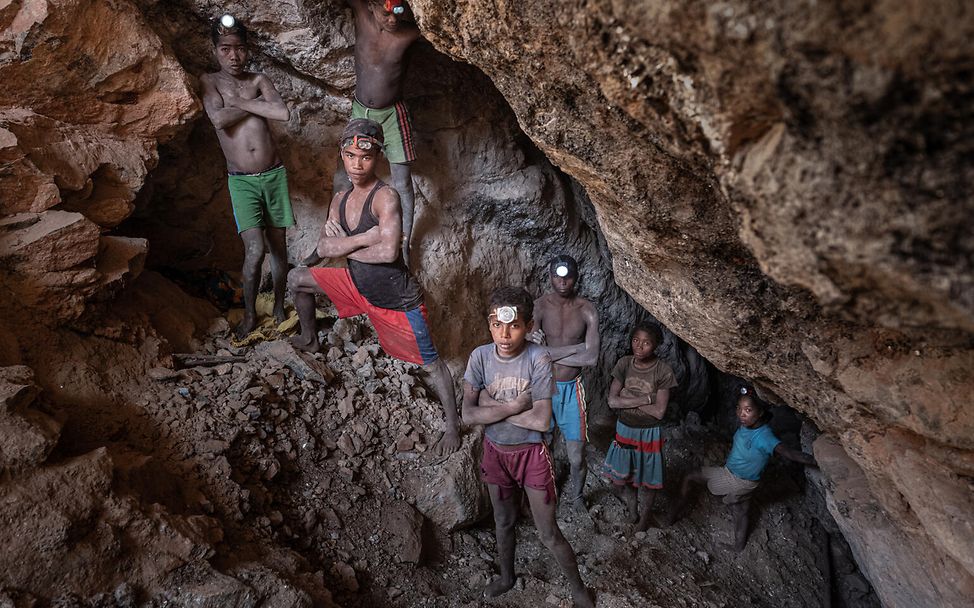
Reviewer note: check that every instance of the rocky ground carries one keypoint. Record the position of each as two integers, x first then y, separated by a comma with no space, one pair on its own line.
328,457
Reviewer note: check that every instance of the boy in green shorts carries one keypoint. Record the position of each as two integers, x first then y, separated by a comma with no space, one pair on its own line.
239,103
383,31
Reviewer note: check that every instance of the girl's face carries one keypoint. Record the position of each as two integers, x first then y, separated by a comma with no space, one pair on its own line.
748,413
642,346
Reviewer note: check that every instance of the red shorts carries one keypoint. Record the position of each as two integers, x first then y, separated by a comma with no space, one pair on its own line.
403,334
527,467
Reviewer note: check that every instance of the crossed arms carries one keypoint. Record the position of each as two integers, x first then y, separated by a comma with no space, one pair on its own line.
584,354
226,110
378,245
480,408
655,407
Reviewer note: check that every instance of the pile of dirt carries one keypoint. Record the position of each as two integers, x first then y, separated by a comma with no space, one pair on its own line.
328,456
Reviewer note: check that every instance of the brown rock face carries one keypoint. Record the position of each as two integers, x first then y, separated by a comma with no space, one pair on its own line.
786,189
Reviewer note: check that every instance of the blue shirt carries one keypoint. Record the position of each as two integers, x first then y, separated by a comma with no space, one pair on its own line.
751,451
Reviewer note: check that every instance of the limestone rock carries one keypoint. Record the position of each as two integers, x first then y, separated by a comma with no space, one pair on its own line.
878,542
450,493
404,525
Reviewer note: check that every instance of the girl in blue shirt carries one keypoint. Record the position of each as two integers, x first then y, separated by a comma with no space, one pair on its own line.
754,443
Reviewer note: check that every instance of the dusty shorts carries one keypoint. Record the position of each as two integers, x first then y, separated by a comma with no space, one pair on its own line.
261,199
397,129
568,410
402,334
635,457
527,467
722,482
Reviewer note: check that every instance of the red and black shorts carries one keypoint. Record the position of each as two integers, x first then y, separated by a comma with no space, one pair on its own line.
523,467
402,334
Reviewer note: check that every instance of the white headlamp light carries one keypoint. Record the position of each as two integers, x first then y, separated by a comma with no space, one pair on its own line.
227,21
505,314
561,270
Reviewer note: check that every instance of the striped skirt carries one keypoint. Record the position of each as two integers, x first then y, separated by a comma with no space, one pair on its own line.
635,457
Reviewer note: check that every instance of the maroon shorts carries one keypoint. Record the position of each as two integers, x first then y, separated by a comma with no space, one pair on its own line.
402,334
527,467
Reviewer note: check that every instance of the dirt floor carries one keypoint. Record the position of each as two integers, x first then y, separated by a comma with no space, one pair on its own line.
313,453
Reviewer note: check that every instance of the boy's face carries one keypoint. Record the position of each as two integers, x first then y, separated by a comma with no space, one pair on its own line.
231,54
563,286
359,164
509,338
748,413
643,345
386,20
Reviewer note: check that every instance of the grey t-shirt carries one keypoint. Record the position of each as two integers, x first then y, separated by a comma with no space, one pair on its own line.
505,379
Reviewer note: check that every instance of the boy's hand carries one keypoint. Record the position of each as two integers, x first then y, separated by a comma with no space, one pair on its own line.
521,403
334,229
537,336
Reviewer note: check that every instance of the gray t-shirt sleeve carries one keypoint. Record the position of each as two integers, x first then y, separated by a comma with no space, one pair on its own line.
542,380
475,369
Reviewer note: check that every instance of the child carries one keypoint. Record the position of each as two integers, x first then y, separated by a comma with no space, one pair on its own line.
640,392
508,388
239,104
754,442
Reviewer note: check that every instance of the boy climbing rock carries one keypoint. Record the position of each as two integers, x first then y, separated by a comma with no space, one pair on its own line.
383,32
364,225
507,387
239,104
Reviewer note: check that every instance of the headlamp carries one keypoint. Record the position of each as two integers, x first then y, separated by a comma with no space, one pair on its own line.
505,314
561,270
362,142
744,390
228,21
395,7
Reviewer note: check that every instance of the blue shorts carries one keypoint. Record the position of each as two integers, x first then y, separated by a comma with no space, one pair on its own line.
568,410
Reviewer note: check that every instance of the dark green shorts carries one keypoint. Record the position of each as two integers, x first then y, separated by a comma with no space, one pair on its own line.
261,199
397,129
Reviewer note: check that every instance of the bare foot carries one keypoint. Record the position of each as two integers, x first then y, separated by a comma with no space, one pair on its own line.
577,503
279,315
500,586
645,523
448,443
307,344
245,326
582,598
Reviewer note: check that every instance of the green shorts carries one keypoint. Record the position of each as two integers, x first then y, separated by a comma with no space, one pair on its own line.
261,199
397,129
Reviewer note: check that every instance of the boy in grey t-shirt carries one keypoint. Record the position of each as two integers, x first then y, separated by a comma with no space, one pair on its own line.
508,387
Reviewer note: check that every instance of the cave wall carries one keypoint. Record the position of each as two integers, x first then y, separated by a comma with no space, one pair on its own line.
785,186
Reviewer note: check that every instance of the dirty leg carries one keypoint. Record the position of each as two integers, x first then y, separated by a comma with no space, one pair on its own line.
253,239
442,382
402,181
552,538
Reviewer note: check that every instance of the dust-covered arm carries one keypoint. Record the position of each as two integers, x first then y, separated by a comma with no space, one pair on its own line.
221,116
269,105
537,418
472,413
587,354
618,402
795,455
384,246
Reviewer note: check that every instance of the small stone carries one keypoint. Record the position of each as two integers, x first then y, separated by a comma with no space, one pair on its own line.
161,373
552,600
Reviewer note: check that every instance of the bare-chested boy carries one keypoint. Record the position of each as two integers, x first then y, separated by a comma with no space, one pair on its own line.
239,103
383,32
364,225
568,327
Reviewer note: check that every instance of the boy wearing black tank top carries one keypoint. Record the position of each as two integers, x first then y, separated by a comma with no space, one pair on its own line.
365,226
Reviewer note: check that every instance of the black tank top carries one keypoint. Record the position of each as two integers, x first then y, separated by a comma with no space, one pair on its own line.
387,286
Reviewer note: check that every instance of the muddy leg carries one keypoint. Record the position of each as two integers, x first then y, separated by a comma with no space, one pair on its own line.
402,180
442,382
579,470
554,540
277,246
739,511
303,289
253,239
646,499
680,504
505,516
